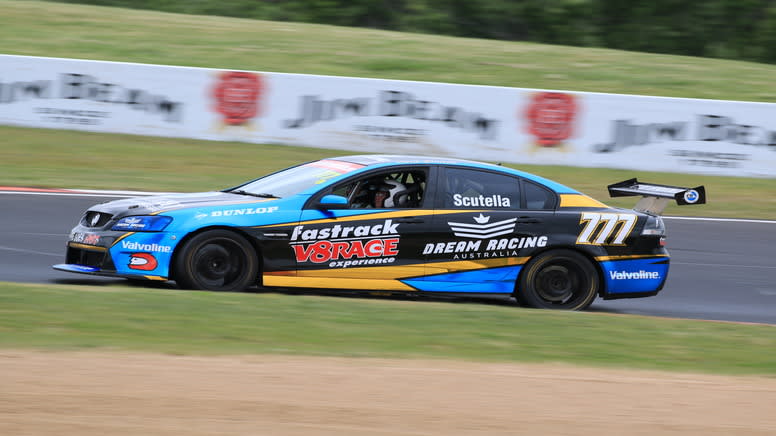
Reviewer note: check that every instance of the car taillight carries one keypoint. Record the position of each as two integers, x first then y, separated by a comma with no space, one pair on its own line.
654,227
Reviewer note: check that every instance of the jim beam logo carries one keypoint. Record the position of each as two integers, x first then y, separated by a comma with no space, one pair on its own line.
237,98
550,117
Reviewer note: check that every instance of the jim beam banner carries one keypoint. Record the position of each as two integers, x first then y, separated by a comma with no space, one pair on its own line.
370,115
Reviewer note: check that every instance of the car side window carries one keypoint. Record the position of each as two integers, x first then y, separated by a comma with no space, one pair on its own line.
390,190
538,197
464,188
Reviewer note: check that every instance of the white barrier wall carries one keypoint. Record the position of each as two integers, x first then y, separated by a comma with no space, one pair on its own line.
370,115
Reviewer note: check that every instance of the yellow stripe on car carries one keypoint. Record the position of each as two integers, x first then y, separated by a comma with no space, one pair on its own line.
470,265
374,216
579,200
87,246
335,283
389,272
630,256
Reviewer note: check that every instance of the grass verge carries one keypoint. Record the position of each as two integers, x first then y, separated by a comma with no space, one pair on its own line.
129,35
119,318
70,159
54,158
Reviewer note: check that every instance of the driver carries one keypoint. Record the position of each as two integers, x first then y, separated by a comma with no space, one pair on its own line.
380,194
391,195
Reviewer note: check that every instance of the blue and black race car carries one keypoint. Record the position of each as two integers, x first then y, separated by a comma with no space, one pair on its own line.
402,224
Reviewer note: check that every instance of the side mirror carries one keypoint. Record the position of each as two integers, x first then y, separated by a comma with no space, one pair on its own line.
332,201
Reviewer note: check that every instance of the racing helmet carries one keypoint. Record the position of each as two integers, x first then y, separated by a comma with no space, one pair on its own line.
395,194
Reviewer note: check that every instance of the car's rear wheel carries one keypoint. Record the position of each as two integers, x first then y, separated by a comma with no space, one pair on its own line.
558,279
216,260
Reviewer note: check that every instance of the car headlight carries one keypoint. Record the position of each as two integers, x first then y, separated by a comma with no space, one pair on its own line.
142,223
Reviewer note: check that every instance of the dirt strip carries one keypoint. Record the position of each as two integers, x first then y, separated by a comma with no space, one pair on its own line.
101,393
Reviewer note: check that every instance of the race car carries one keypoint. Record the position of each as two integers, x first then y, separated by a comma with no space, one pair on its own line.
401,224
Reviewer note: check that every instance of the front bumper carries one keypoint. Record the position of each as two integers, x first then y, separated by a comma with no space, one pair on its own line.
140,255
97,261
83,269
93,256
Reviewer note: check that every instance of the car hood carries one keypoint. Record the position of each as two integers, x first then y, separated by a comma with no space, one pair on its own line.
169,202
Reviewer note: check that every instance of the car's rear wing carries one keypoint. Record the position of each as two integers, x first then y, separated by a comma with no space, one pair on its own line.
656,197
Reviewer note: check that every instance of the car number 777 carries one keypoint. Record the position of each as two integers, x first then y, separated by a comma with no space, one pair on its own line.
610,221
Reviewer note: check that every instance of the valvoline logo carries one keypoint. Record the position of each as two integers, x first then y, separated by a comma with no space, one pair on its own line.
634,275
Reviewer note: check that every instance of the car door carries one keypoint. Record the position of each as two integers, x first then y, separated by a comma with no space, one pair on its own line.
486,224
363,245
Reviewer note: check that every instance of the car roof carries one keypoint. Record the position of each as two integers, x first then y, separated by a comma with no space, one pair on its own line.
376,160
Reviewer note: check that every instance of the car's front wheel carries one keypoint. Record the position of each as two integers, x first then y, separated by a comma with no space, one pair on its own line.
216,260
558,279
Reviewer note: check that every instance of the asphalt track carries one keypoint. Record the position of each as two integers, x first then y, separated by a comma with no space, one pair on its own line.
720,269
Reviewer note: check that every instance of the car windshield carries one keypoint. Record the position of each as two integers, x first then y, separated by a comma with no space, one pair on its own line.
296,179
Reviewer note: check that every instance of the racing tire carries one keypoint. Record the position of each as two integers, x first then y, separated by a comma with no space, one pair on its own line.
558,279
216,260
